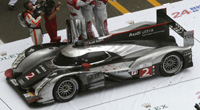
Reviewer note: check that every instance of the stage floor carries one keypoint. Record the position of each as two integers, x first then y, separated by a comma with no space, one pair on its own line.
179,92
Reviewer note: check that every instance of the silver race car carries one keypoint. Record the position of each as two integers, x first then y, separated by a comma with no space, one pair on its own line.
57,72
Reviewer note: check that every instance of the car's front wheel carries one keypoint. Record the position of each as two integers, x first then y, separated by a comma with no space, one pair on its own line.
171,64
65,89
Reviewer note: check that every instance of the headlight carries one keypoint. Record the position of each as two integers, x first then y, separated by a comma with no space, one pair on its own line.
42,84
18,60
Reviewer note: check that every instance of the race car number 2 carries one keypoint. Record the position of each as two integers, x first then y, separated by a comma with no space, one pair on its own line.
146,72
30,76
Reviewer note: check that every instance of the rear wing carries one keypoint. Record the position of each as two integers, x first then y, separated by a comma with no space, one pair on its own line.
188,36
142,31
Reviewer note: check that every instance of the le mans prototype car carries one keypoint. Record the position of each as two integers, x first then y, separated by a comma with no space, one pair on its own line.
58,71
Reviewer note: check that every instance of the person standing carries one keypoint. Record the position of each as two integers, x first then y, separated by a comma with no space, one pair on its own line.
74,7
100,13
88,14
50,20
33,23
11,3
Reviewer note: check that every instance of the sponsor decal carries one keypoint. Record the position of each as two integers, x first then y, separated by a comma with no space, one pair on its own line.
14,82
31,94
26,95
189,38
30,76
146,72
186,11
113,69
93,41
94,76
5,56
197,105
134,34
133,73
42,67
38,71
148,106
146,32
177,28
31,50
3,53
21,82
187,53
121,71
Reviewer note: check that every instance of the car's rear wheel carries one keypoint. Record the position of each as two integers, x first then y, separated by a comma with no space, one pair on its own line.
171,64
65,89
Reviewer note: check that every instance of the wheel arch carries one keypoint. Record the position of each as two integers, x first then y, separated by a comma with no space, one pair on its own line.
171,53
57,84
47,91
79,81
156,56
179,53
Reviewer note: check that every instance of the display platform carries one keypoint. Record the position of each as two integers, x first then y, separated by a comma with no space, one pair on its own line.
179,92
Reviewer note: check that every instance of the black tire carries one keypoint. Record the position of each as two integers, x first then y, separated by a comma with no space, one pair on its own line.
171,64
65,89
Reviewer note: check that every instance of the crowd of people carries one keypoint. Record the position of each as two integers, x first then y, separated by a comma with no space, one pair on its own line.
87,11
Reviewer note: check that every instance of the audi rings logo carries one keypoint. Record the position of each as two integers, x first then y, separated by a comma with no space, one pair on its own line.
5,56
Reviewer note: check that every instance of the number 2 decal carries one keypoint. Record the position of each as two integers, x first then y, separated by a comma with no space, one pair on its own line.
30,76
145,72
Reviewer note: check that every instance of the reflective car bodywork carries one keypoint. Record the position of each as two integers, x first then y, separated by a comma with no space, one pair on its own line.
137,51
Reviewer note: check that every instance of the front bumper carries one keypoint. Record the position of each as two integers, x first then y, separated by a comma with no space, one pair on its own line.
27,94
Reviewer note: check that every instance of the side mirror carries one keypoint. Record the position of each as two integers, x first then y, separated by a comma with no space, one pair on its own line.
86,66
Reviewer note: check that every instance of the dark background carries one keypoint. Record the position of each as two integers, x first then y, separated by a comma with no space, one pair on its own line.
11,30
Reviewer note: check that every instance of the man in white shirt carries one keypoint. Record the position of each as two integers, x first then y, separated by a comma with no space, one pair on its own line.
74,7
33,23
88,14
100,13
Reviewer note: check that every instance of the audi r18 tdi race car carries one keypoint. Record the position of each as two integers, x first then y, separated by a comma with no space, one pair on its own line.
57,72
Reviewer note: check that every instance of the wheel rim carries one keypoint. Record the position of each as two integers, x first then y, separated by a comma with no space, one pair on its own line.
172,64
67,89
